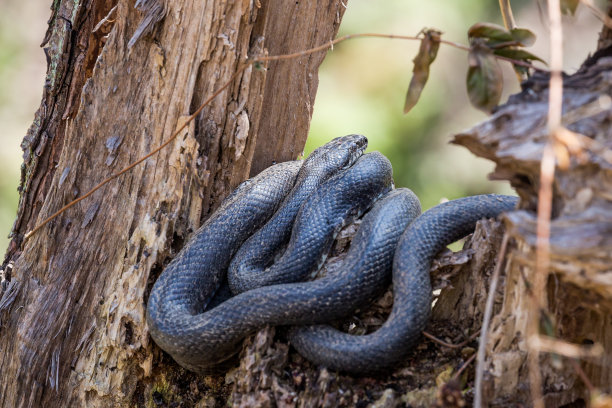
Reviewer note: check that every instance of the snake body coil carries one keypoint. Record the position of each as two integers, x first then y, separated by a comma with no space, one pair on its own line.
199,339
424,238
337,202
189,282
251,265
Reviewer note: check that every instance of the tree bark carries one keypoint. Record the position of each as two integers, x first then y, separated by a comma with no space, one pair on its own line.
577,305
72,307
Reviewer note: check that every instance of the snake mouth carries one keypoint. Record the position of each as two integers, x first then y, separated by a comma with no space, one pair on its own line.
359,145
354,156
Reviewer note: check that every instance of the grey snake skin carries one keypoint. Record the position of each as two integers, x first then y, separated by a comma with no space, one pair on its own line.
248,268
419,244
338,184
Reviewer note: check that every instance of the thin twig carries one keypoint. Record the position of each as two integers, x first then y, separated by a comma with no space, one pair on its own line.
450,345
552,345
603,17
547,174
464,366
331,44
486,319
137,162
262,58
506,12
582,376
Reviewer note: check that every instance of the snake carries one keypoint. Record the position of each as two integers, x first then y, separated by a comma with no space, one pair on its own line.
176,309
307,204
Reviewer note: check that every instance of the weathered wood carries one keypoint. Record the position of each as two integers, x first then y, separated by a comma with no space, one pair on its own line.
284,118
579,298
72,318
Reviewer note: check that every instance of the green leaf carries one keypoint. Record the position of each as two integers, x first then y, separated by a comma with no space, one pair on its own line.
569,6
523,36
492,32
427,54
496,35
484,78
517,54
521,72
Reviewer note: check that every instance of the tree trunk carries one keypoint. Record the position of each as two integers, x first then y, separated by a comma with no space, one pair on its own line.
119,82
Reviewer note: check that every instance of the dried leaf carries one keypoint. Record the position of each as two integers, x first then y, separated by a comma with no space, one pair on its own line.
497,35
492,32
523,36
600,400
427,54
484,78
562,155
517,54
569,6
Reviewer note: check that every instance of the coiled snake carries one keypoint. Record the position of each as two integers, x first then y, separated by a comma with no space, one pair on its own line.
338,184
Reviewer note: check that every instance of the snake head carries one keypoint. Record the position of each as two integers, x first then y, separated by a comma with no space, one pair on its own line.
340,153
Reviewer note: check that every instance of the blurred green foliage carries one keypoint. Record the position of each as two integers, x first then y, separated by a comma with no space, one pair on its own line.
363,84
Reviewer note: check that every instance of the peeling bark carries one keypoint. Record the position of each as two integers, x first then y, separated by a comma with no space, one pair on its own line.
579,292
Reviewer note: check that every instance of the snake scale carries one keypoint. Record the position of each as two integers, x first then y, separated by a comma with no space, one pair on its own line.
275,230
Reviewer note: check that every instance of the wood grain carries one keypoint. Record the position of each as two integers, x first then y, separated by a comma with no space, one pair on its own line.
73,332
578,302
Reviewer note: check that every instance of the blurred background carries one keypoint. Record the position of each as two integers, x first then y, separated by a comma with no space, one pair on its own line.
361,90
